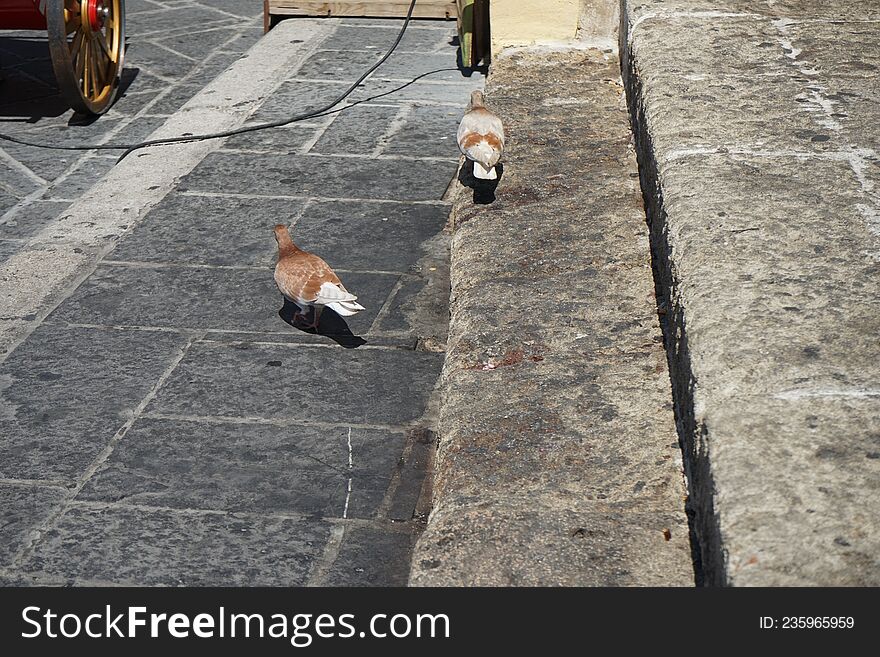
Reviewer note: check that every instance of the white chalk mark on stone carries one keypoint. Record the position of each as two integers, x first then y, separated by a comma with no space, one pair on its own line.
350,466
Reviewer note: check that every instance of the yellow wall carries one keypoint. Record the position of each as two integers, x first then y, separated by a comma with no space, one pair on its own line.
526,22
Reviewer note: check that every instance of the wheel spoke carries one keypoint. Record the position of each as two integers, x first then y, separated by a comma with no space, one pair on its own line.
97,82
76,44
73,24
79,58
103,41
87,67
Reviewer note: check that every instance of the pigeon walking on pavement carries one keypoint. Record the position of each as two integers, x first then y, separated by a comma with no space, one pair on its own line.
306,280
481,137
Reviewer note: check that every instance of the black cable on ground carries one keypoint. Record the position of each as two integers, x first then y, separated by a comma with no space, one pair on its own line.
322,111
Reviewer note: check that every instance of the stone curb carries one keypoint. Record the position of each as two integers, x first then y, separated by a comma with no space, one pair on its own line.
558,461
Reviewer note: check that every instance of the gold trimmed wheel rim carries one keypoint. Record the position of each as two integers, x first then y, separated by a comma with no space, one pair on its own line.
87,43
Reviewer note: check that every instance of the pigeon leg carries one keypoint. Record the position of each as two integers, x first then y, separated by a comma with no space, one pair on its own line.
317,320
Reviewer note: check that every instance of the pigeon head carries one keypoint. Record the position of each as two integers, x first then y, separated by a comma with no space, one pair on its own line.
282,236
476,99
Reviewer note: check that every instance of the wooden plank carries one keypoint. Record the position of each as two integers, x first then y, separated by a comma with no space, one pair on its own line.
394,8
481,41
465,10
473,31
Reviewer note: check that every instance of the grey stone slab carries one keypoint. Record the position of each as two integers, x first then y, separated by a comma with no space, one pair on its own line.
195,44
740,45
167,548
812,519
37,71
734,113
387,386
555,547
175,97
849,11
131,102
855,10
257,468
372,556
428,132
66,392
405,66
156,60
209,230
358,129
799,270
8,247
7,200
296,97
183,19
23,46
224,299
287,139
246,38
244,8
395,340
46,163
384,24
138,130
420,306
426,90
370,236
347,37
62,134
14,182
212,67
145,82
24,508
856,105
79,181
17,84
345,177
336,66
31,218
828,48
771,290
412,472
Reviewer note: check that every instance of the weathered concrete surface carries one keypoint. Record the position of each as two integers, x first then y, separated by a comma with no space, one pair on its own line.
756,126
558,462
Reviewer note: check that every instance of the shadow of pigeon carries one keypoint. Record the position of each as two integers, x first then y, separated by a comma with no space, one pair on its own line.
484,190
331,326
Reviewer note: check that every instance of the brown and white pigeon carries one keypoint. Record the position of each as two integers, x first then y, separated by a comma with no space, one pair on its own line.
481,137
306,280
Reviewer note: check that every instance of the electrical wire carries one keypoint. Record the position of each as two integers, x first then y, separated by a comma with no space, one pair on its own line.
322,111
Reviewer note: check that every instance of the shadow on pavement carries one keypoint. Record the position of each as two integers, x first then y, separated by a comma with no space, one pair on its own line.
484,190
28,90
331,326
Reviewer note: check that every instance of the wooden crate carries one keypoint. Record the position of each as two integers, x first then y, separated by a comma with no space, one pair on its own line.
377,8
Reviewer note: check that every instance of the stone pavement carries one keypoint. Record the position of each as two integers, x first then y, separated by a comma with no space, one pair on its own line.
164,425
757,130
174,49
559,462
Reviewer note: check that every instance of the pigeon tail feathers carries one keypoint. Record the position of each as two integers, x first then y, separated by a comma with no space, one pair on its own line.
331,293
346,308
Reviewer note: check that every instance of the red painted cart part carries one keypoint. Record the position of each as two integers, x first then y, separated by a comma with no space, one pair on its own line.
21,15
92,13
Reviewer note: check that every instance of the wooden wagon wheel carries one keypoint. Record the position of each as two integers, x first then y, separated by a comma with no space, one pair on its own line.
87,43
